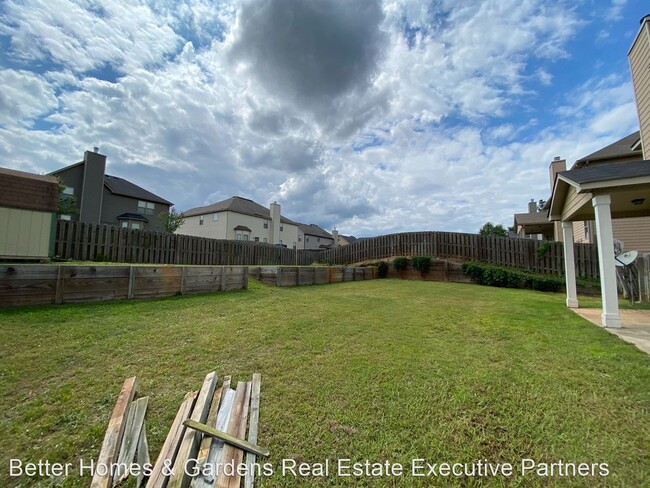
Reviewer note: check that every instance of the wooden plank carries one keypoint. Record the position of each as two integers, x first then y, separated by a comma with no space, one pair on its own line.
236,428
114,432
227,438
204,448
249,479
142,454
172,442
207,479
132,431
190,443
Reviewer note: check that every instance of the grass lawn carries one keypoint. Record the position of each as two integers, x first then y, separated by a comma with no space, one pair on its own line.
375,370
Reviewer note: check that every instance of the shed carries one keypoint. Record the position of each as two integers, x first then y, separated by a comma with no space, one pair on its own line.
28,211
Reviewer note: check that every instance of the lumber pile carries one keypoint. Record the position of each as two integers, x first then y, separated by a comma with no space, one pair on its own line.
207,434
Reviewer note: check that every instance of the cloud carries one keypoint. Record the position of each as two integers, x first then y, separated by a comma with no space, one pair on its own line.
24,97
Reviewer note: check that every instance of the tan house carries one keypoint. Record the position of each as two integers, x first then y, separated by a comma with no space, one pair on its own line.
242,219
314,237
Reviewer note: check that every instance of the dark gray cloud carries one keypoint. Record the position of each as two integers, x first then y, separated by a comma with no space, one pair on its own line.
310,52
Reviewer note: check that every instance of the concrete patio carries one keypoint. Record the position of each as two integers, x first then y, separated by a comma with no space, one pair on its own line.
635,325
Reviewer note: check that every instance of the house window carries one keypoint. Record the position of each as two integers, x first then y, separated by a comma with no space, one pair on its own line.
68,191
146,208
257,239
265,240
281,227
201,220
587,233
266,223
299,239
131,224
215,217
136,225
242,236
306,238
294,245
65,217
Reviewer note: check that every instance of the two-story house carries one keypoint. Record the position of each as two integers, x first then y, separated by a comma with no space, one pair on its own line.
105,199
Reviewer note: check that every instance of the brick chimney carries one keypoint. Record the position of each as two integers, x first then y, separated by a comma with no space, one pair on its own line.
638,56
556,166
532,206
92,191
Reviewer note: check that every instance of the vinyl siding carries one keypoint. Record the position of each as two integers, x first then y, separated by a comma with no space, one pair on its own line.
574,202
639,58
634,232
27,233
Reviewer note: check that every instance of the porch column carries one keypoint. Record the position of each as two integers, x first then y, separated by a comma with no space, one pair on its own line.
569,265
609,293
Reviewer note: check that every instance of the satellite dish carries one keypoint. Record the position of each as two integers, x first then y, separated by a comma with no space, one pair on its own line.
626,258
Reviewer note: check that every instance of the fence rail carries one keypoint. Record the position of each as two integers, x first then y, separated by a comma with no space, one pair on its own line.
528,254
90,242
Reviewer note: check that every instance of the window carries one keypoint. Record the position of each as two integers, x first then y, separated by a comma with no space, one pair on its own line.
266,223
146,208
299,239
136,225
281,243
587,233
131,224
65,217
241,236
125,224
257,239
215,217
201,220
68,191
281,227
306,238
294,245
265,240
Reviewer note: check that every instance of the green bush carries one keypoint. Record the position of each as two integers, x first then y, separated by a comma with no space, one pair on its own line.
490,275
400,264
382,269
421,263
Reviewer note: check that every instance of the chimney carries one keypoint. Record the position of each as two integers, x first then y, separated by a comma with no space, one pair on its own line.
556,166
638,57
275,223
532,206
92,191
335,236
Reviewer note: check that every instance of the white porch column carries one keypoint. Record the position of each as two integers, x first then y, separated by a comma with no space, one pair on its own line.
609,293
569,265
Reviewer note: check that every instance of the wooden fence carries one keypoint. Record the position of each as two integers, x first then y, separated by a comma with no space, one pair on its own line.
46,284
311,275
528,254
90,242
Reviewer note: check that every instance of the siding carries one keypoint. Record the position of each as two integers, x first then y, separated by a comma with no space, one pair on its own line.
574,202
639,58
634,232
25,233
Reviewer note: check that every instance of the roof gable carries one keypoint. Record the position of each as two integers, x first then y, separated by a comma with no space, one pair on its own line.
120,186
625,149
236,204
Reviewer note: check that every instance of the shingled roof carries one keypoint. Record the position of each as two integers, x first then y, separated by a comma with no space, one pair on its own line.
626,148
120,186
238,205
314,230
606,172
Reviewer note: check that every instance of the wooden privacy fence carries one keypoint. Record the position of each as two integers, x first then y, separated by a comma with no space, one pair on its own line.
29,284
311,275
91,242
528,254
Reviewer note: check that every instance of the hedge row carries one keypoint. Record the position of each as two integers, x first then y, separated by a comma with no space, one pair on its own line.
490,275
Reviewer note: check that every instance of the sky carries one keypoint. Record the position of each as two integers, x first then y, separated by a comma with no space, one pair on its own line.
371,117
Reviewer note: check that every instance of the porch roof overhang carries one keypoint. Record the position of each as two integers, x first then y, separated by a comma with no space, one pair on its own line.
534,223
628,185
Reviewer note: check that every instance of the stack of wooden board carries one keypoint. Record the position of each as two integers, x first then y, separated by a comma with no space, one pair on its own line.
190,457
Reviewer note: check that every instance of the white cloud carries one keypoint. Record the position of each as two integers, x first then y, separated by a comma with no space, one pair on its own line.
24,96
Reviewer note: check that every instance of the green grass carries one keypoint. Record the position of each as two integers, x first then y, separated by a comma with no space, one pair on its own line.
377,370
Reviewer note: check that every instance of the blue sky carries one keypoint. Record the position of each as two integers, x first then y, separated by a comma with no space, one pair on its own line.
372,117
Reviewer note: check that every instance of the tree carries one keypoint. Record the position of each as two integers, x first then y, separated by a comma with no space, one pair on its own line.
67,203
489,229
171,221
540,205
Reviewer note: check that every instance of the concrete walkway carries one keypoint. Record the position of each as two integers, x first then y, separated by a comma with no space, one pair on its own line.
636,325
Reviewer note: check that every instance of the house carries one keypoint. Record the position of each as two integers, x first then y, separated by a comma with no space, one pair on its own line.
28,208
612,188
534,224
345,240
239,218
314,237
104,199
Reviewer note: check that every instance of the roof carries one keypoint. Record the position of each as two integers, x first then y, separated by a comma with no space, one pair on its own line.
314,230
606,172
29,191
31,176
120,186
625,148
532,218
242,227
132,216
238,205
350,239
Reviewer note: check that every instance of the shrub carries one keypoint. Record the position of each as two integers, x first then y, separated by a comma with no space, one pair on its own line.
382,269
421,263
400,264
489,275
